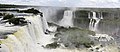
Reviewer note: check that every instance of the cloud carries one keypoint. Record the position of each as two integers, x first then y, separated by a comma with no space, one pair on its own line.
69,3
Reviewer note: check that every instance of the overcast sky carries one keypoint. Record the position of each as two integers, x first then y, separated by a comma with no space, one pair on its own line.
67,3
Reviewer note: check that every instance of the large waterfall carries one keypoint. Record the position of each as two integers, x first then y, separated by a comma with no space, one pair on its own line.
28,38
67,20
38,32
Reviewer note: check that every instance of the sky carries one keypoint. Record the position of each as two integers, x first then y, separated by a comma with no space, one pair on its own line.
66,3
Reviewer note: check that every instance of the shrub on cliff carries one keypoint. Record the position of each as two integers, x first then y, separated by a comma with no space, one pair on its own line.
32,10
3,37
17,21
8,16
1,14
75,37
12,20
52,45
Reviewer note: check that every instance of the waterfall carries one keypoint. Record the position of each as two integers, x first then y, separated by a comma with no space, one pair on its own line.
4,48
45,24
31,37
94,21
47,13
67,20
101,16
28,38
93,25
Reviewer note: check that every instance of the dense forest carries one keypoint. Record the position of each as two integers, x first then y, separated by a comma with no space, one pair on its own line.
11,6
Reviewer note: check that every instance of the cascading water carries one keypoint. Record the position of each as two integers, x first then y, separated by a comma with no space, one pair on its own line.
67,20
47,13
31,37
27,38
94,21
45,24
93,25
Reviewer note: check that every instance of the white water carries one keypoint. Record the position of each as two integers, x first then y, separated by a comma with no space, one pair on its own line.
4,48
94,21
30,38
93,26
67,20
45,24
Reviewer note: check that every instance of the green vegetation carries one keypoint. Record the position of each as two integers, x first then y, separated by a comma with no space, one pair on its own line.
11,6
82,13
0,42
75,37
57,34
52,24
32,10
52,45
17,21
115,21
1,14
62,29
7,6
4,37
8,16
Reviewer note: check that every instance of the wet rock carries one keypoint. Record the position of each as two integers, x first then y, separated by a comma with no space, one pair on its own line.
97,48
46,32
52,24
52,45
38,43
101,45
57,34
41,14
55,39
3,37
